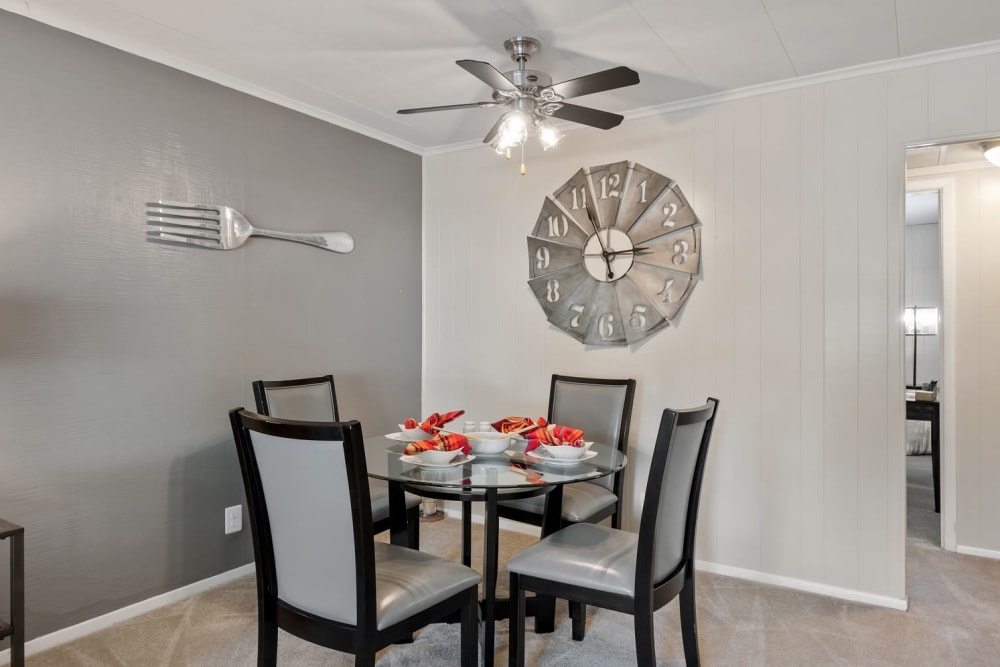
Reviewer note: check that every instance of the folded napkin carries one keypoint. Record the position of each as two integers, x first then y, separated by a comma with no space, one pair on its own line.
442,442
508,424
554,434
436,420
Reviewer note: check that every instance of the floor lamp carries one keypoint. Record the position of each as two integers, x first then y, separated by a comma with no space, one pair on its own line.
919,321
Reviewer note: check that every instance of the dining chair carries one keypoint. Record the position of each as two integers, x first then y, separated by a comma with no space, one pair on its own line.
631,573
320,574
315,399
602,409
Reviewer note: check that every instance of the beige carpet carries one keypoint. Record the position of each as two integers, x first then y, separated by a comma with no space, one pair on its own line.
954,619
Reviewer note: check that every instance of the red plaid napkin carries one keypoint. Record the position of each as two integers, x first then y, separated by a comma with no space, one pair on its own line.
443,442
508,424
554,434
436,420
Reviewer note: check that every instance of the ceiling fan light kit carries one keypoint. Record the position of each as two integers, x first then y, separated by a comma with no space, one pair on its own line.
530,99
991,151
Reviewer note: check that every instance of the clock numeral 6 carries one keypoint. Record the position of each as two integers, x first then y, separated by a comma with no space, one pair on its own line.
558,225
606,326
552,290
638,319
578,309
542,258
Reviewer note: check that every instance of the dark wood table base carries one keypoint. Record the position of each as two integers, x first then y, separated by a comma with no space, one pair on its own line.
930,411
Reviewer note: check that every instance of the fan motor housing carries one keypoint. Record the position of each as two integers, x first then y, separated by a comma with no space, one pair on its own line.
529,78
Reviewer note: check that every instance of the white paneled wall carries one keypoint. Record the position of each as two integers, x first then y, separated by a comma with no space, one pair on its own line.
795,327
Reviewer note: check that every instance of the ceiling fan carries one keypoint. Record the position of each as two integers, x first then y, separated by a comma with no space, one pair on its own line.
531,97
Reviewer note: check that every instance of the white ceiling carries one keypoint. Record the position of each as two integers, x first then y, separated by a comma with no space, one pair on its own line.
355,62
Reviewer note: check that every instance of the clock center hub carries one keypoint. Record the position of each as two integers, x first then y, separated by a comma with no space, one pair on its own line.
608,254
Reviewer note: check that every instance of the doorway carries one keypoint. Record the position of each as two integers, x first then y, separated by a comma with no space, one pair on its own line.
922,290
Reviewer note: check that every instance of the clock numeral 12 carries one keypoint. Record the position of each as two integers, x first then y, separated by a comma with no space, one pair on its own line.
613,182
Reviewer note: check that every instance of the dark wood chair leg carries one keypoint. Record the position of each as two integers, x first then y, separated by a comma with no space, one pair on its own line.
470,630
578,612
645,641
515,638
467,533
413,527
267,637
689,623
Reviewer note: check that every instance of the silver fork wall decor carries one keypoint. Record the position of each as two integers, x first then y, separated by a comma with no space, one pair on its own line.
225,228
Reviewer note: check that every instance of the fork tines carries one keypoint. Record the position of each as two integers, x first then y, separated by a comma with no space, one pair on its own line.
177,222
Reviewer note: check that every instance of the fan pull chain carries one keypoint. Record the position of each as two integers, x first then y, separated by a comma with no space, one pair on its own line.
523,170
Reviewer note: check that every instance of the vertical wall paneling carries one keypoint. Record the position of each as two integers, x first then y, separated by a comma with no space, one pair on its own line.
800,194
780,315
723,471
873,304
811,288
841,261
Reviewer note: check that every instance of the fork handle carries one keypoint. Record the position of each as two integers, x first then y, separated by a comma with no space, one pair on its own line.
341,242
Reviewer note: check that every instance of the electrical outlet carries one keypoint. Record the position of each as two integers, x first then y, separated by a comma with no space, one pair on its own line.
234,519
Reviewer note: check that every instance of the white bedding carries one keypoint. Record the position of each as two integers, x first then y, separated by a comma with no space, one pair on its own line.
918,437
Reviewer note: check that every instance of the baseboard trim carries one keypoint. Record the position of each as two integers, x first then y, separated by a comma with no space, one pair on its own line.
505,524
976,551
93,625
848,594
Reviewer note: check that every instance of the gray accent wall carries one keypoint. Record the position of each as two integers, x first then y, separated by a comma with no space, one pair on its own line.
119,358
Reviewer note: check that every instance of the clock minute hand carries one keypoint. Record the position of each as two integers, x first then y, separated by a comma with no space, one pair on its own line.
604,251
637,250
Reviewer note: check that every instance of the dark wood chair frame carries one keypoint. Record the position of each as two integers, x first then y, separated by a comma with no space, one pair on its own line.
618,481
364,639
649,595
260,397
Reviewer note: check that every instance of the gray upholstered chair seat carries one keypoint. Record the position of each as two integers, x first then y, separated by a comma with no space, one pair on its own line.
408,581
379,490
581,501
583,554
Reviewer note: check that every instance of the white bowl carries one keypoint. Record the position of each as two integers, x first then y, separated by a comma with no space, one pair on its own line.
415,433
566,452
437,457
488,442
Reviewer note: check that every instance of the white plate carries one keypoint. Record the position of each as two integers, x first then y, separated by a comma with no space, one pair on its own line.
402,437
545,458
415,460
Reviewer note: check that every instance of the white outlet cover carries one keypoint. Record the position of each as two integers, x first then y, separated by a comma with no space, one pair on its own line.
234,519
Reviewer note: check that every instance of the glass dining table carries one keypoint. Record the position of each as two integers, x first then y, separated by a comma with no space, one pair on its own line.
487,479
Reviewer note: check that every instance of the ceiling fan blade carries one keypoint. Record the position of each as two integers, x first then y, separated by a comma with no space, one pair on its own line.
587,116
609,79
448,107
486,73
491,135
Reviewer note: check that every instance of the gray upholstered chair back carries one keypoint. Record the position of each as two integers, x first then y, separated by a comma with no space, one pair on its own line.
308,507
597,409
307,402
675,496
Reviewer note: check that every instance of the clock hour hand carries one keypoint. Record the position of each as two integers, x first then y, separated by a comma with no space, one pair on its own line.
637,250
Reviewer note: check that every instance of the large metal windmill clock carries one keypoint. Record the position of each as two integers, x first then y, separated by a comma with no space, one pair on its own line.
615,254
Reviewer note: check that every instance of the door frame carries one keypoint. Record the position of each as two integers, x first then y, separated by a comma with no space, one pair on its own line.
947,231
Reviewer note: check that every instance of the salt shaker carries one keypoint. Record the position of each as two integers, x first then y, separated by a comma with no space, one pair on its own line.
485,427
469,427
